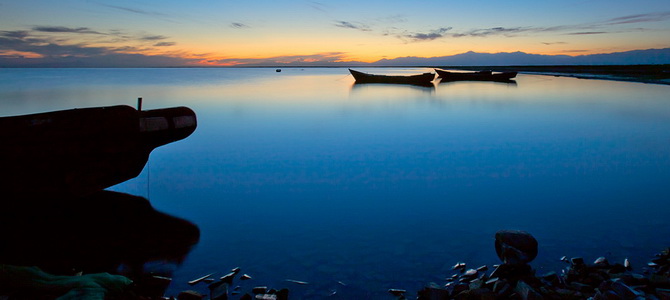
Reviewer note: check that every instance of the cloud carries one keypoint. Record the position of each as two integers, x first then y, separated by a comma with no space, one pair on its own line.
587,33
62,29
153,38
431,35
238,25
42,46
492,31
640,18
134,10
349,25
553,43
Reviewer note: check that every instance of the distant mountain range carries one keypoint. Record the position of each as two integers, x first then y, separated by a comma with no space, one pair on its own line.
636,57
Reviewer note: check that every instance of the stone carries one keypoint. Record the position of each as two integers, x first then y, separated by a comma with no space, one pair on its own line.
483,268
515,246
260,290
470,273
198,280
282,294
459,266
601,262
526,291
246,297
235,270
218,290
245,277
432,293
228,278
397,292
190,295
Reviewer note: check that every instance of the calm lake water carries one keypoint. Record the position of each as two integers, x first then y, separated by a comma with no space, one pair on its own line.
303,175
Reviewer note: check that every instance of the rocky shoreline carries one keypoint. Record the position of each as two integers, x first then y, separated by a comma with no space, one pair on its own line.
514,278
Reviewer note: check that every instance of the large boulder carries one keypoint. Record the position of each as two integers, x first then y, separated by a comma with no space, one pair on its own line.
515,246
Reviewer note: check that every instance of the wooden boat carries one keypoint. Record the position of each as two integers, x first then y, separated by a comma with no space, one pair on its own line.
480,75
420,79
81,151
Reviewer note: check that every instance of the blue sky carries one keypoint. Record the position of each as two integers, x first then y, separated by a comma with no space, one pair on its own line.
233,32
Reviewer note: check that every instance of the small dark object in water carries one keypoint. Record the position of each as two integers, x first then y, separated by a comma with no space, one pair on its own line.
298,281
260,290
245,277
278,70
236,270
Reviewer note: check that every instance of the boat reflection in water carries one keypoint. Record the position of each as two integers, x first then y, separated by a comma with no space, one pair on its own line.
55,214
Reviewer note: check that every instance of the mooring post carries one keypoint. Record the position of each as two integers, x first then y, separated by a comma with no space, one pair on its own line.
139,104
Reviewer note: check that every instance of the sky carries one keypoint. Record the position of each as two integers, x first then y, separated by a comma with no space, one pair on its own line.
227,33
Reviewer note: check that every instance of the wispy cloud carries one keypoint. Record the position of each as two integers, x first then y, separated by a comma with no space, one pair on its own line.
239,25
62,29
349,25
153,38
429,36
587,33
640,18
164,44
492,31
134,10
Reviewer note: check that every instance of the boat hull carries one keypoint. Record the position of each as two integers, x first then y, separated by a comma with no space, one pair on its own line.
477,76
420,79
81,151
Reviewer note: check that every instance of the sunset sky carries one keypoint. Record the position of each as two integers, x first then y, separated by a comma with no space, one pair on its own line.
236,32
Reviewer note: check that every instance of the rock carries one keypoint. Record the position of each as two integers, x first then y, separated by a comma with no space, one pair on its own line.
218,290
246,297
470,273
483,268
601,262
282,294
228,278
245,277
260,290
515,246
626,264
432,293
153,286
198,280
190,295
577,261
397,292
526,291
459,266
235,270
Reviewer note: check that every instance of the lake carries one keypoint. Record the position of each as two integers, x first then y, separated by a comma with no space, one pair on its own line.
360,188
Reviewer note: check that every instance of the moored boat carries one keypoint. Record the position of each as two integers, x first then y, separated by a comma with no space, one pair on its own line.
419,79
479,75
77,152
